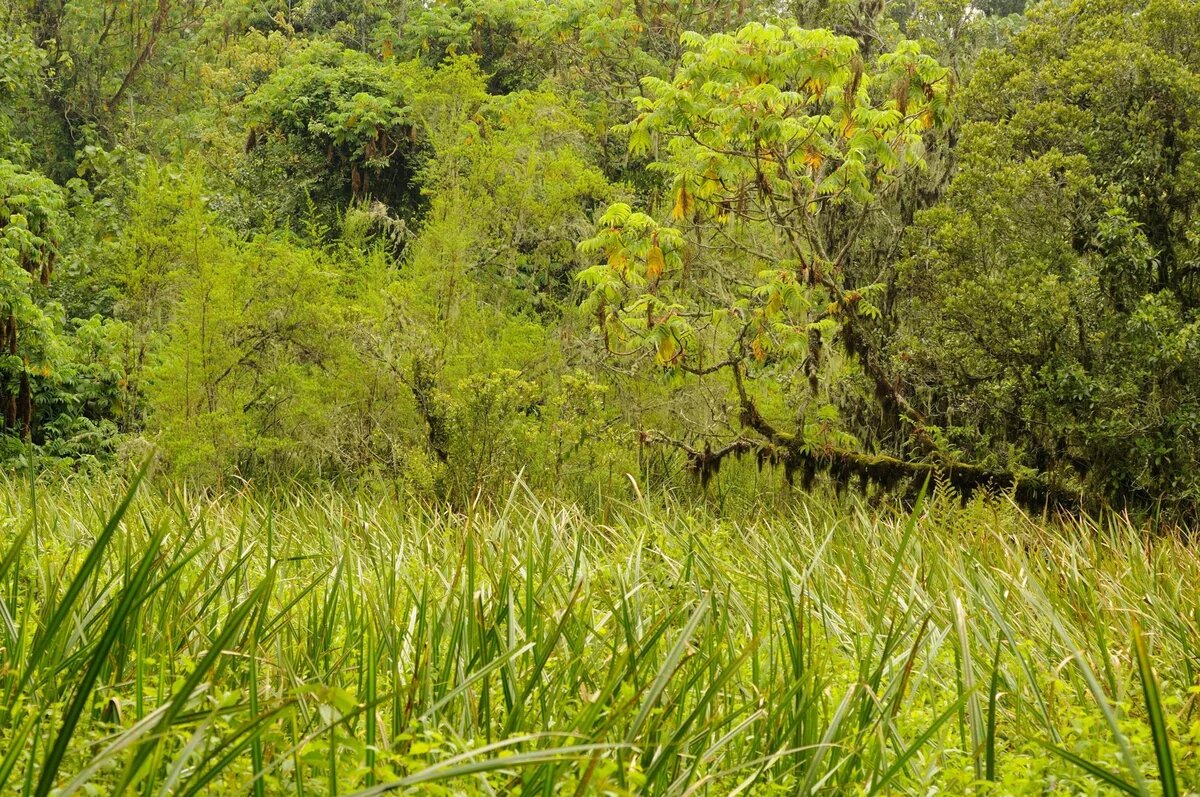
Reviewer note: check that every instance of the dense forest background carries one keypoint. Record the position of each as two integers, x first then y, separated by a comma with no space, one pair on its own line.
447,242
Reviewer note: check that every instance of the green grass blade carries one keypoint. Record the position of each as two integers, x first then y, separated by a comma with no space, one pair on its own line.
913,748
993,695
1155,714
451,768
90,565
1098,772
232,627
667,670
16,744
83,691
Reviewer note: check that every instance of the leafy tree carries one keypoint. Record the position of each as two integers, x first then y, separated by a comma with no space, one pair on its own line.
252,334
500,34
524,164
59,381
1050,302
786,151
481,277
23,69
106,65
30,210
353,23
347,110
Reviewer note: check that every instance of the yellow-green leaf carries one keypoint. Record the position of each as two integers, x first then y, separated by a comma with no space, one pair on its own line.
655,262
683,204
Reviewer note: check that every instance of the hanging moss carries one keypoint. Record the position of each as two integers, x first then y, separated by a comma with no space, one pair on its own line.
866,472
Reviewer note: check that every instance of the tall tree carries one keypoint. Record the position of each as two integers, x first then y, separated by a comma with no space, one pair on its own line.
1052,302
790,155
30,217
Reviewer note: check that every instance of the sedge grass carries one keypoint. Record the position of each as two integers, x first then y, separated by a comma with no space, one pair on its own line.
156,642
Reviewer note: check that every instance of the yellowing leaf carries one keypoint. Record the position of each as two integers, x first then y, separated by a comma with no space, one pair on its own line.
668,349
617,260
813,159
683,204
655,262
760,351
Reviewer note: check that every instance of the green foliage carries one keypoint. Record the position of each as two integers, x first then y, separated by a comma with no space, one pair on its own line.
30,216
523,165
282,356
340,641
243,342
874,240
501,34
251,362
1067,346
501,358
347,108
781,146
59,379
23,67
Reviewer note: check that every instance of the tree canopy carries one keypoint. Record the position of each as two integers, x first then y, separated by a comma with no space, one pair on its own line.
874,242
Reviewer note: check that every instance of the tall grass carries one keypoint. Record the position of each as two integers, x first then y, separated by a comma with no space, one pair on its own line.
156,642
